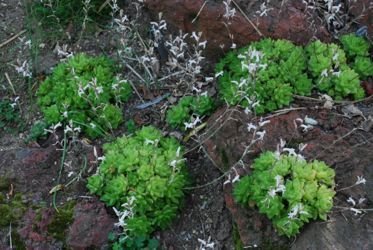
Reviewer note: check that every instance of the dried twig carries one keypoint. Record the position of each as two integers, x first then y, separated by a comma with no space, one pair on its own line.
132,85
10,83
103,5
199,12
12,38
247,18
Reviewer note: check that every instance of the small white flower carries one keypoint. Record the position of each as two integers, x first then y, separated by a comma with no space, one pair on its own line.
302,146
297,209
236,178
219,74
272,192
250,127
57,126
361,200
68,129
310,121
260,135
356,211
306,128
188,125
351,200
324,73
291,151
262,123
101,158
360,180
203,44
147,142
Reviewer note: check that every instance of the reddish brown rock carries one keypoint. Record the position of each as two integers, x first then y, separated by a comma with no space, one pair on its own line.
91,226
34,230
331,140
362,12
289,21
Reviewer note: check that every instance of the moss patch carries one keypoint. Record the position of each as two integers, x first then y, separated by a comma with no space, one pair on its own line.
61,221
11,210
4,183
238,245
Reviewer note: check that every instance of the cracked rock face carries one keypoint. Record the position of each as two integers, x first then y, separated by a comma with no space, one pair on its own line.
289,21
330,140
279,19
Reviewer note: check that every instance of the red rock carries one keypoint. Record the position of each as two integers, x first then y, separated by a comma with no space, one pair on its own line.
368,87
362,11
91,226
289,21
330,140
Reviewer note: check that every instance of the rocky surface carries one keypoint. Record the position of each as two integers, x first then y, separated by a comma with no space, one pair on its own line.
289,21
30,172
343,143
91,226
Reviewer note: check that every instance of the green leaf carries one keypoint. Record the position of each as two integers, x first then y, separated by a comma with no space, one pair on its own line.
355,45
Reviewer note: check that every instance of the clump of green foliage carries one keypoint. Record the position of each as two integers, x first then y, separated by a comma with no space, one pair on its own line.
268,71
59,13
288,190
357,50
181,113
135,243
266,74
142,175
85,91
9,116
11,210
328,66
61,221
37,131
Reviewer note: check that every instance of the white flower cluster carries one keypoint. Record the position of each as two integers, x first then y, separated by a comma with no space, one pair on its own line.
230,11
206,244
296,210
279,188
24,69
330,9
126,213
290,151
264,9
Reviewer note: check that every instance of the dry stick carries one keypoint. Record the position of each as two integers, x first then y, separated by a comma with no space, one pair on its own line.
103,5
10,83
247,18
145,47
133,86
199,12
10,236
12,38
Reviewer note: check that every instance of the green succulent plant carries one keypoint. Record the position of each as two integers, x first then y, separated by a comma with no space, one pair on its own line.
328,65
61,12
357,49
10,118
268,71
266,74
148,170
288,189
84,90
186,107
